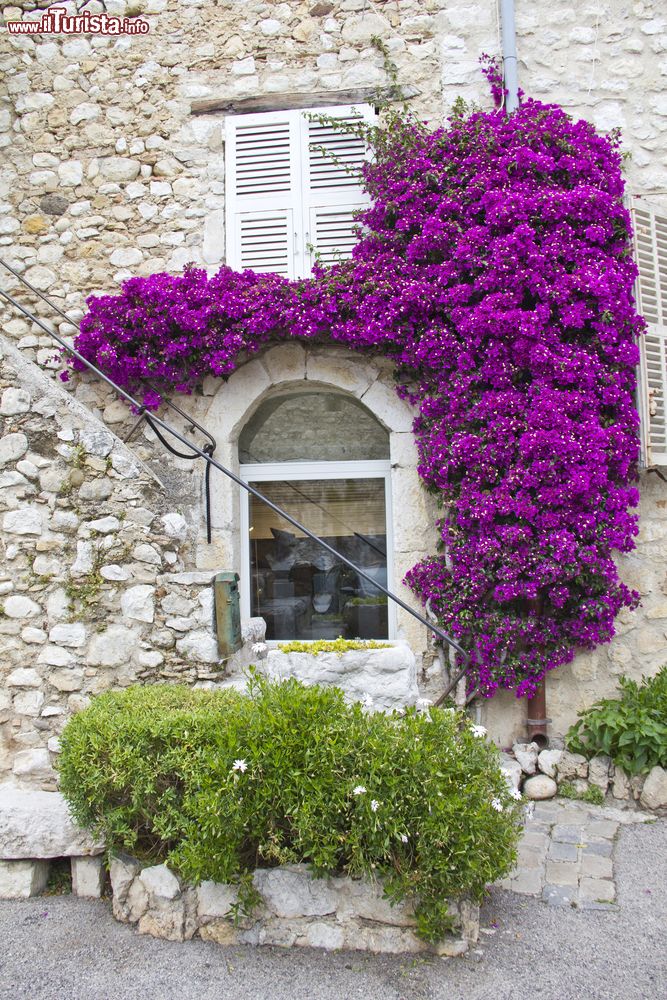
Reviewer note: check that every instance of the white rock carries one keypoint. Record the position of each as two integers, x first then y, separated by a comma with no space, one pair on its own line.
111,648
55,656
291,891
513,770
199,645
14,401
22,879
571,765
68,635
598,772
18,606
54,745
42,278
174,525
104,525
84,112
47,566
66,679
128,257
87,877
119,168
26,521
29,703
31,764
33,635
70,173
12,447
621,785
96,441
83,563
160,883
540,786
654,792
215,899
96,489
115,572
36,824
24,677
526,754
138,603
547,761
147,554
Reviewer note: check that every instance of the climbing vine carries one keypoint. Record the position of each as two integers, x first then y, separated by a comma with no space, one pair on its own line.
494,268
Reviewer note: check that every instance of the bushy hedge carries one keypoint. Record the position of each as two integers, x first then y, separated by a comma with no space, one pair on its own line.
632,729
219,783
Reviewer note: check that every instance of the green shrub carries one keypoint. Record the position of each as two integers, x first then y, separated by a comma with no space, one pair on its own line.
218,783
592,794
632,729
338,646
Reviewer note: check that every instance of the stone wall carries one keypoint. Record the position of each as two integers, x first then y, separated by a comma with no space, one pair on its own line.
107,173
96,583
294,909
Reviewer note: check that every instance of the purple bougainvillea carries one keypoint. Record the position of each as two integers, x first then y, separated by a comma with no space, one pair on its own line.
495,269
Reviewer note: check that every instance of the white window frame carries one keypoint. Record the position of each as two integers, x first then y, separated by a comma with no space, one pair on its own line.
302,201
294,472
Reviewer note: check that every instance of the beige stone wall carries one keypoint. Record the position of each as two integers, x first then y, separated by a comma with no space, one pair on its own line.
106,174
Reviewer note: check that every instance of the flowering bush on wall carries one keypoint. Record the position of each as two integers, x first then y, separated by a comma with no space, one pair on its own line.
495,269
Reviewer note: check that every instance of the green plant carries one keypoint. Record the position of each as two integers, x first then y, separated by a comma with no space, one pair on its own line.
338,646
367,601
593,794
218,783
632,729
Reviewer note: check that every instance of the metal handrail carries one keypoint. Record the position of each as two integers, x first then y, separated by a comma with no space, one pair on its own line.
154,422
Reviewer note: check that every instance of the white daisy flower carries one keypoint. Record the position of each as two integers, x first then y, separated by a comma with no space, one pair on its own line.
375,805
423,704
367,702
404,838
259,648
478,731
240,765
358,790
497,805
516,794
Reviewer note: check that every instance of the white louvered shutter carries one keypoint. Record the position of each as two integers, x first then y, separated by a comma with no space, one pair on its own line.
263,192
284,196
331,182
650,234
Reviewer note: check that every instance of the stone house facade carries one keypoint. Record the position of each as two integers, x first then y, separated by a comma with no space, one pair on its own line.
114,164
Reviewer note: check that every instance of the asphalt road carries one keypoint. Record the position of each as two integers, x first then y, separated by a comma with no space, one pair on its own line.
61,948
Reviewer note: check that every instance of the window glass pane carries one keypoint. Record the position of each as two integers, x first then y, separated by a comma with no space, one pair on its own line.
313,427
301,590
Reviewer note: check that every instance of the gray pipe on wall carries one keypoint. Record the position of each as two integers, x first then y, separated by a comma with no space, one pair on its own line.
510,70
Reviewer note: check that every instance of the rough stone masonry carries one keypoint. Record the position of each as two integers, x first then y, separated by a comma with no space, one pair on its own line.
107,173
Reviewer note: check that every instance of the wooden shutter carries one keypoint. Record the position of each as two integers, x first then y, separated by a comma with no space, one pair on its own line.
292,187
263,192
650,235
332,188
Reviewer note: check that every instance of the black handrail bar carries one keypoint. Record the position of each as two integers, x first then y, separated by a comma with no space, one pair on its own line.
155,421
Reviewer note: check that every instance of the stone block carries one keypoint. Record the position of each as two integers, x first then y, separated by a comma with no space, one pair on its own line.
562,873
539,786
291,891
215,900
597,890
37,824
598,772
160,883
22,879
654,792
559,895
571,765
87,877
526,755
33,765
548,760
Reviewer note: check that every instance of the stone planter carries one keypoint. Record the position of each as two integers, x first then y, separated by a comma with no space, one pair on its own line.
296,909
387,675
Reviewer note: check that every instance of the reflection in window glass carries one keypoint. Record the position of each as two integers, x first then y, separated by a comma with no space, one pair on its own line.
301,590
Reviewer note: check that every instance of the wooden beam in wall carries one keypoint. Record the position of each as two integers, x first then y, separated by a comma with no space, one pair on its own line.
291,102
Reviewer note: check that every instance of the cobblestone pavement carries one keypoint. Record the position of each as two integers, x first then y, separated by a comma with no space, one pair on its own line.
566,854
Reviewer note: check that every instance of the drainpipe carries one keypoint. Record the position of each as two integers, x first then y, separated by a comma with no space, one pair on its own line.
536,707
510,73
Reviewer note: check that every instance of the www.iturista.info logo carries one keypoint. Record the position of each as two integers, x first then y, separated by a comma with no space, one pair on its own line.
60,20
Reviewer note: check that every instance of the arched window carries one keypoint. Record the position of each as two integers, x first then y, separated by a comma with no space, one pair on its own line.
324,458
